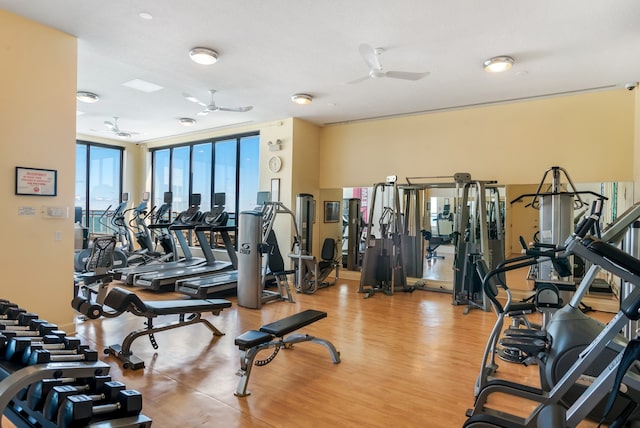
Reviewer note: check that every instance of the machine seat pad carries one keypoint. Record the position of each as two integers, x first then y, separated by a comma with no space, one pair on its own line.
525,332
616,255
293,322
527,345
523,307
121,299
252,338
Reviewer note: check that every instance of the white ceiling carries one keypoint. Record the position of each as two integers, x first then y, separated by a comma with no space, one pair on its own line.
271,49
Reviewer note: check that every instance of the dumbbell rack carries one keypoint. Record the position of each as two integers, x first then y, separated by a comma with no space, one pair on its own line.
16,379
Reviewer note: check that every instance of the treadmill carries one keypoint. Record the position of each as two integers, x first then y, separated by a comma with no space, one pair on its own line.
166,278
204,286
185,220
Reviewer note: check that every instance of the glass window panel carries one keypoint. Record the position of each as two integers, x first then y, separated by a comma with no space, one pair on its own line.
201,172
180,178
81,180
249,167
225,172
160,181
104,183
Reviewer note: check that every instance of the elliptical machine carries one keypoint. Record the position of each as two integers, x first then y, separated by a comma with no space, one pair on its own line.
569,374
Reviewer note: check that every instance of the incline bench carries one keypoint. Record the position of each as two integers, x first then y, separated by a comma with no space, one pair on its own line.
121,300
272,336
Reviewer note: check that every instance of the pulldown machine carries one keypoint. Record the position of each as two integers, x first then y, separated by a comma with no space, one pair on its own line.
382,264
481,230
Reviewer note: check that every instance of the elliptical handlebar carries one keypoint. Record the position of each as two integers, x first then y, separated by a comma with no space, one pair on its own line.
590,222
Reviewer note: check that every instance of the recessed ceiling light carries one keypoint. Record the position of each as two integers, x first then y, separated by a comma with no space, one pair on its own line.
302,99
87,97
498,64
204,56
187,121
142,85
146,16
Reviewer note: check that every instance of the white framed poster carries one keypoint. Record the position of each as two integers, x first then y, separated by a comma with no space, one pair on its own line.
36,181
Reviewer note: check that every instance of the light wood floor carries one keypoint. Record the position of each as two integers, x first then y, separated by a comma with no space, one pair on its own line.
408,360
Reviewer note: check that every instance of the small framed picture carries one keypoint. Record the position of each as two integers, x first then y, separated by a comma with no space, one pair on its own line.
36,181
331,211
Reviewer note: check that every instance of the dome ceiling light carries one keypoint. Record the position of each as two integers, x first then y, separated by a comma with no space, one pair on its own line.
87,97
302,99
187,121
204,56
498,64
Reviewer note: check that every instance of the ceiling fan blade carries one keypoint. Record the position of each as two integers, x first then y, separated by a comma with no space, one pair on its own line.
370,57
203,112
406,75
362,79
235,109
193,99
109,125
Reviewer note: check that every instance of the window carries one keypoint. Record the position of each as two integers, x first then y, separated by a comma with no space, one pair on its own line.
248,181
227,165
98,181
180,178
225,170
160,181
202,160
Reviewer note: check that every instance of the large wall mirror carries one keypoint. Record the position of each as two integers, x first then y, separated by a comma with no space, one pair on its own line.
430,216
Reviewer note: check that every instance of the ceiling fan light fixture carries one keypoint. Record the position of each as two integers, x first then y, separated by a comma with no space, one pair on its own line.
498,64
204,56
302,99
187,121
87,97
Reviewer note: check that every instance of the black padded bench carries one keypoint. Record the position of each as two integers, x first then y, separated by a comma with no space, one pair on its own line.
121,300
272,336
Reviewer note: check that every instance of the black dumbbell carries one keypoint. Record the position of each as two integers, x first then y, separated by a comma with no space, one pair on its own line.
11,313
108,392
15,318
15,346
41,356
65,346
34,328
77,410
39,392
4,306
86,307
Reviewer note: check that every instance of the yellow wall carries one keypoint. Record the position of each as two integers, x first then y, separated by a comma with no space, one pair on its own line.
37,107
591,135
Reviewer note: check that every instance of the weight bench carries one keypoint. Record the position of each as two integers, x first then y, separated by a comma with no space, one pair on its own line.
272,336
121,300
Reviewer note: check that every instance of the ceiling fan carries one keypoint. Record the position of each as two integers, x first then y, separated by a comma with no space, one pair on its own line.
113,127
370,56
212,106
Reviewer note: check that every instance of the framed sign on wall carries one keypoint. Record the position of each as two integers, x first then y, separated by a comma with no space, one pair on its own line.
36,181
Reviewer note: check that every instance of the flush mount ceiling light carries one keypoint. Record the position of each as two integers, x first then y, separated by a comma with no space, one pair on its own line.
301,99
187,121
204,56
87,97
498,64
